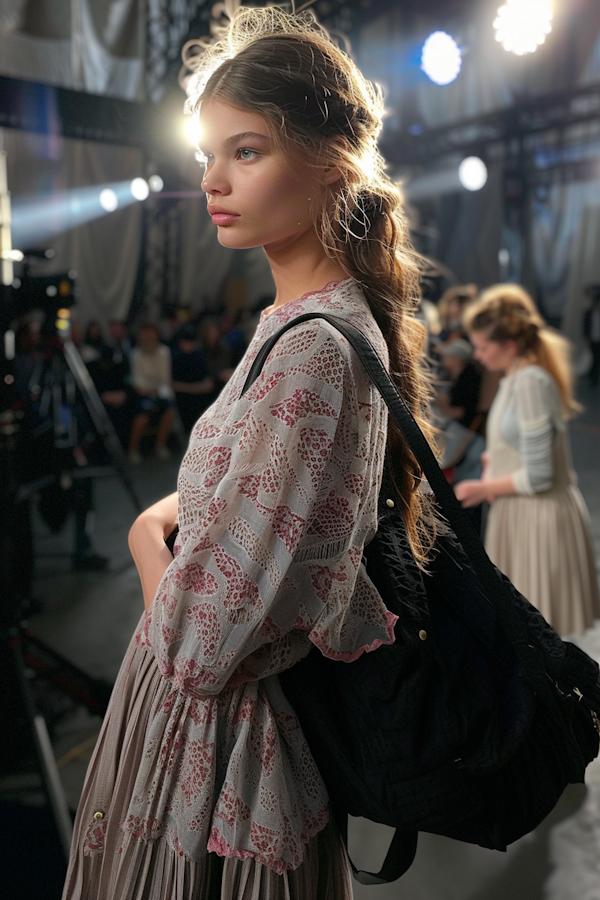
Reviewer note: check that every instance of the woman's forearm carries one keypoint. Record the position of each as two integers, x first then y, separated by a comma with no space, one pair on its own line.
147,543
500,487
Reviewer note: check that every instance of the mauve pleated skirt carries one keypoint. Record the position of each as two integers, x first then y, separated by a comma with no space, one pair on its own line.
131,869
543,544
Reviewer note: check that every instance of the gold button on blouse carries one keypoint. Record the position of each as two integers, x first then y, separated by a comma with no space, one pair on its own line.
99,814
423,635
390,503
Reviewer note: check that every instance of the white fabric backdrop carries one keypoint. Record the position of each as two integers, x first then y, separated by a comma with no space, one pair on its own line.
89,45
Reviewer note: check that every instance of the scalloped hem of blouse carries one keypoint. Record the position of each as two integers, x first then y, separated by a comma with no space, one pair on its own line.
350,656
156,870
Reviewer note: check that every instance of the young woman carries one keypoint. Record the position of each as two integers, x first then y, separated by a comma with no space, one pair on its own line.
202,785
538,527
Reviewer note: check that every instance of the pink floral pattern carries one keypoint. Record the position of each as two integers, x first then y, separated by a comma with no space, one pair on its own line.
278,496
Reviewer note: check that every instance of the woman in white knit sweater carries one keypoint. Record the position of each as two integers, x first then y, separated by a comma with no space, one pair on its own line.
538,527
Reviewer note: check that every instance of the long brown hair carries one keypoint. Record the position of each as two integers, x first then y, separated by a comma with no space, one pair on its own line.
506,312
315,102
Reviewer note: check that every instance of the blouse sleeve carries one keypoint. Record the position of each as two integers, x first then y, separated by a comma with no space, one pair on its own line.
276,535
534,404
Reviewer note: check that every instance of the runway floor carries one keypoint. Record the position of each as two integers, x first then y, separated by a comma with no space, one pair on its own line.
89,618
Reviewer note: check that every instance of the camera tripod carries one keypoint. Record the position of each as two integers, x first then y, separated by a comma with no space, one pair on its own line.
60,378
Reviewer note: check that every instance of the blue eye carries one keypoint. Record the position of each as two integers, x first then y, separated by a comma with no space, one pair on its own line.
246,154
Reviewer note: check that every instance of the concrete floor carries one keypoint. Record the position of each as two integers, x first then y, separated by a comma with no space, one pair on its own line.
90,617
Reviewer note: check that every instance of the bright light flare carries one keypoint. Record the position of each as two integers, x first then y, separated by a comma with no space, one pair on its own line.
522,25
472,173
12,255
193,130
441,58
108,200
140,188
40,217
156,184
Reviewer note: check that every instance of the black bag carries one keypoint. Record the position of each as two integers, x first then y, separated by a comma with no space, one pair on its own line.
474,721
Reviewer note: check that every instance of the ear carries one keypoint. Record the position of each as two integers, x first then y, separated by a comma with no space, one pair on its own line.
330,174
512,347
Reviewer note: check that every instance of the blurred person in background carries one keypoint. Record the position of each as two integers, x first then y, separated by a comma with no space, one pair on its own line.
155,401
93,342
538,529
458,417
110,374
217,353
591,331
119,340
192,384
460,400
233,335
451,308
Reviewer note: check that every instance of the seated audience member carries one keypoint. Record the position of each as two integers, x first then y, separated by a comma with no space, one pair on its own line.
111,381
461,401
119,340
93,342
451,308
460,421
233,335
151,382
217,353
192,384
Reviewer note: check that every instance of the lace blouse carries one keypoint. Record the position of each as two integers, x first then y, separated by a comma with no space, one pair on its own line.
277,497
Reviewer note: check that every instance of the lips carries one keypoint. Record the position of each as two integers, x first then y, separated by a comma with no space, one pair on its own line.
224,218
221,216
213,209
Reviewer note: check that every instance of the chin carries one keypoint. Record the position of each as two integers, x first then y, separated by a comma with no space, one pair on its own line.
235,241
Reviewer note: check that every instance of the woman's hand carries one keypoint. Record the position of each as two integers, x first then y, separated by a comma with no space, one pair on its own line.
471,492
147,544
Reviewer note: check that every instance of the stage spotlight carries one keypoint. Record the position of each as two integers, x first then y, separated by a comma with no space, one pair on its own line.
441,58
472,173
139,188
192,130
156,183
108,200
522,25
12,255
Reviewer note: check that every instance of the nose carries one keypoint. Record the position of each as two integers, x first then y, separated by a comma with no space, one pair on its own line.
215,181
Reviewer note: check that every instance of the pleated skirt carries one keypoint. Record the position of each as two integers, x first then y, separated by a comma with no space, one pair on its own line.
543,544
108,863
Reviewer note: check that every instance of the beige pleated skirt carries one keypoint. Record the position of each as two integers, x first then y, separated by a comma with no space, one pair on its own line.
117,866
543,544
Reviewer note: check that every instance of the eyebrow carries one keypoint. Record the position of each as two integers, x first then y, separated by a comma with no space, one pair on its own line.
242,136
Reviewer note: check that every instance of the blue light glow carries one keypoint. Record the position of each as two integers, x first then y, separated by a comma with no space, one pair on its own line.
441,58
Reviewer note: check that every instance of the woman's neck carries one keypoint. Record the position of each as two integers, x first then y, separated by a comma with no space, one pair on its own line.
520,362
300,267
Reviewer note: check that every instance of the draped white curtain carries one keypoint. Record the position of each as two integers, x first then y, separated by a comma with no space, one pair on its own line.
103,251
96,46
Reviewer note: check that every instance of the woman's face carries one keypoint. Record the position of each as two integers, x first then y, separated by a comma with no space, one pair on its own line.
147,340
496,356
257,195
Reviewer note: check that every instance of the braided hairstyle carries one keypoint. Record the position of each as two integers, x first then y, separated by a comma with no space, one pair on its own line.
318,106
506,312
